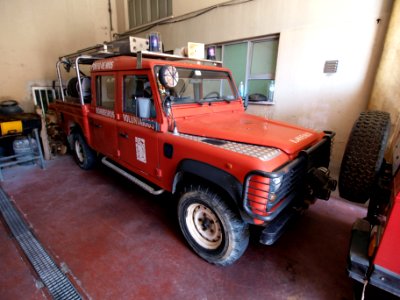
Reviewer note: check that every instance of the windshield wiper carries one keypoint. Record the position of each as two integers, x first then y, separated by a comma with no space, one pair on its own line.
210,100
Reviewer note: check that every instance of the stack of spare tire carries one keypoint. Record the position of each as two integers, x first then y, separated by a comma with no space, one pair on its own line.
9,107
363,162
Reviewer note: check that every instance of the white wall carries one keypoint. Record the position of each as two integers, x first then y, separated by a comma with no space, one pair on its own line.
181,7
311,32
386,92
35,33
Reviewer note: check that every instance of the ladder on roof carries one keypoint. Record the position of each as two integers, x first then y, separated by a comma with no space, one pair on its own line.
132,46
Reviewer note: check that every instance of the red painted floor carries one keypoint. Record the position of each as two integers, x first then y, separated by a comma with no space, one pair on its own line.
16,278
119,242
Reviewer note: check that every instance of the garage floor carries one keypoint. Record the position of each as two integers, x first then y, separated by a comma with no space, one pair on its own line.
118,242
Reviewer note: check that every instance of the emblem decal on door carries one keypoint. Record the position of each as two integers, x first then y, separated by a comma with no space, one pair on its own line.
104,65
105,112
140,149
138,121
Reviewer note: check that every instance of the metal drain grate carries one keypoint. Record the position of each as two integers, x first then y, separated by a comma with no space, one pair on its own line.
57,283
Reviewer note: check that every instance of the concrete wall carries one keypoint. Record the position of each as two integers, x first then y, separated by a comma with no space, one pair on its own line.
35,33
311,32
386,92
181,7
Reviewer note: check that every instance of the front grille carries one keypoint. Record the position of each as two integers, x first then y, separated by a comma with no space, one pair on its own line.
266,194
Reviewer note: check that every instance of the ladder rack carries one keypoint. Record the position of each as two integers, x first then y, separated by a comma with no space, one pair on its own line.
131,46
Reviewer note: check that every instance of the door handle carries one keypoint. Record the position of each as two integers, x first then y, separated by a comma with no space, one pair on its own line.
97,125
123,135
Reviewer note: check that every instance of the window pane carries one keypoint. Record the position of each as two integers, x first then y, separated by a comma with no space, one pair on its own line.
199,85
131,13
264,57
235,57
136,86
169,7
145,11
162,8
154,10
218,53
261,90
105,91
138,12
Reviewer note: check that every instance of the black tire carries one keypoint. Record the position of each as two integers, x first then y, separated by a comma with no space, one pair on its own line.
9,107
72,87
213,230
84,156
363,156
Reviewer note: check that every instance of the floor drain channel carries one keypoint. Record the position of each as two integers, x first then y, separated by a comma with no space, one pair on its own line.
57,283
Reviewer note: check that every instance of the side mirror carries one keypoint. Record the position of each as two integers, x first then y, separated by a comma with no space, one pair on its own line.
144,106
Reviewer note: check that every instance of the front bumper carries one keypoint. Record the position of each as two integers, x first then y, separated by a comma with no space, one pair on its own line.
267,194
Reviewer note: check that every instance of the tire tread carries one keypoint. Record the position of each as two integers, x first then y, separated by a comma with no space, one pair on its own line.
363,155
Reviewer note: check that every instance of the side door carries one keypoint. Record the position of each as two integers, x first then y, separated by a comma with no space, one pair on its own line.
137,137
102,120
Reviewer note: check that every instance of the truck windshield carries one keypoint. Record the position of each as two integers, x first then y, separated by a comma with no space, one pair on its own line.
197,86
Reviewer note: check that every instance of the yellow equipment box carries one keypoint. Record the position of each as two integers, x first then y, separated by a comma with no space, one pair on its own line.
11,127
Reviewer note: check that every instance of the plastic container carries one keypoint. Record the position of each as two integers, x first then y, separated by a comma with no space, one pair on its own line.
241,89
22,148
144,107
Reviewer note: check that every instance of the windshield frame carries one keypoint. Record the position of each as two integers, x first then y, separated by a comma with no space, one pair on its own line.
196,80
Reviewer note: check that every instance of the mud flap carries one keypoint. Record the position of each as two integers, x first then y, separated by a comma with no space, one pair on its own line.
358,260
277,227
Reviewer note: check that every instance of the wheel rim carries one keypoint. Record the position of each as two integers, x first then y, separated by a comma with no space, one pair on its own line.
204,226
79,151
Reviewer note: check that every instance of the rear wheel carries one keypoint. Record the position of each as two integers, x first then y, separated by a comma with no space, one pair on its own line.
84,155
213,230
363,156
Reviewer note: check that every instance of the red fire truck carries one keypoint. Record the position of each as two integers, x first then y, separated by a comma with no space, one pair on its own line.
178,125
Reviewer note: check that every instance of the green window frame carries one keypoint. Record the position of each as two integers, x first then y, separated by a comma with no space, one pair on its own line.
253,62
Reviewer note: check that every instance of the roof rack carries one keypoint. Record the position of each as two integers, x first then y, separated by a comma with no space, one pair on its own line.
132,46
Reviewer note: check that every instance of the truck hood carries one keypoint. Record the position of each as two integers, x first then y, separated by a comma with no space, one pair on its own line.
249,129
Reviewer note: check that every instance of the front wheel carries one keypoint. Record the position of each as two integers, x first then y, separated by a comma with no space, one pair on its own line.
84,155
213,230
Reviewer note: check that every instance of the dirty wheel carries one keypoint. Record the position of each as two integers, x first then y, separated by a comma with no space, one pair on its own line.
214,231
84,155
363,156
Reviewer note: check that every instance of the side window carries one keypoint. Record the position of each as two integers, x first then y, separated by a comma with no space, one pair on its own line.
105,91
137,86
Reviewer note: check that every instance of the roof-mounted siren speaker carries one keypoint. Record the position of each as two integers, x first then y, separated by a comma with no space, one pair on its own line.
137,44
129,45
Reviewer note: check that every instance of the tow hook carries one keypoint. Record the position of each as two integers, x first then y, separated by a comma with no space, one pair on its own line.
321,184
